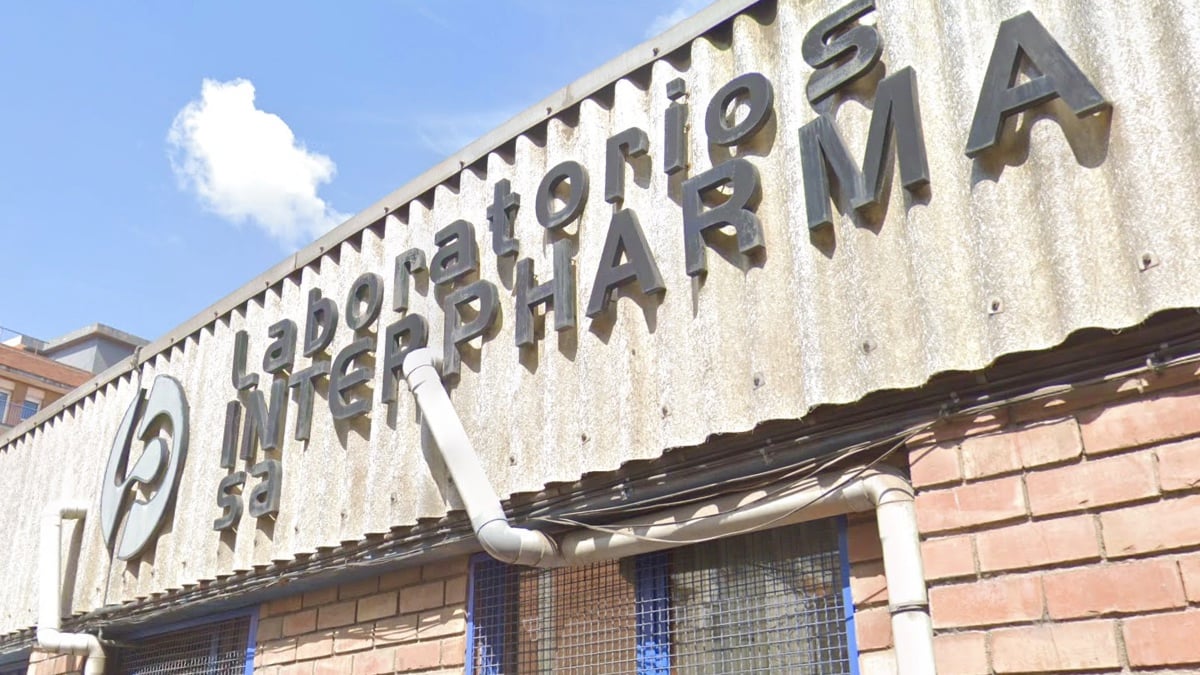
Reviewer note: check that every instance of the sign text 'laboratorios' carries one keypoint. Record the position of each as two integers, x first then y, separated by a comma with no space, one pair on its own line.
839,48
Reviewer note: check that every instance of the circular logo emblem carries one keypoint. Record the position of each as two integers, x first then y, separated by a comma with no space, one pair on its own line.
140,494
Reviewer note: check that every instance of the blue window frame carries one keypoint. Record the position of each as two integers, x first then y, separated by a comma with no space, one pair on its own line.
221,644
766,602
4,397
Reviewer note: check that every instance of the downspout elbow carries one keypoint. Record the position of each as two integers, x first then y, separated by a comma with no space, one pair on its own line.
885,484
496,535
516,545
891,494
86,644
50,637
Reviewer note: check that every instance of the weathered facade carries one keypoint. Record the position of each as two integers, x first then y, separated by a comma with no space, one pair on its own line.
781,240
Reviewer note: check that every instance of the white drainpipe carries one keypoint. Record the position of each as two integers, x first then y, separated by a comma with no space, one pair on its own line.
883,489
50,596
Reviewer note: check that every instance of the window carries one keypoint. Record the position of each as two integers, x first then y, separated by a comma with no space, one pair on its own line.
210,646
4,396
32,403
29,409
766,602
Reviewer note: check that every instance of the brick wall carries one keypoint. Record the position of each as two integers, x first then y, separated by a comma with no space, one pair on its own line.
1060,535
410,621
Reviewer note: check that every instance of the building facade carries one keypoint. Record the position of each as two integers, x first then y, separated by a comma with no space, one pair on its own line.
94,348
35,373
808,337
29,381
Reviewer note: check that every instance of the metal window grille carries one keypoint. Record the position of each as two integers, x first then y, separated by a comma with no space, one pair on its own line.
766,602
217,648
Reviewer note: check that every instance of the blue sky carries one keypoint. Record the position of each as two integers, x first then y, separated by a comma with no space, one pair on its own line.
134,194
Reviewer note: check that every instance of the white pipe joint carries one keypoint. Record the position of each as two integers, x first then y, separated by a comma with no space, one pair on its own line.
50,636
498,537
892,496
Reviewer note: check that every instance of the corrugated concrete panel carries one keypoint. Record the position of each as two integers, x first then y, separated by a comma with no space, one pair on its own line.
1007,254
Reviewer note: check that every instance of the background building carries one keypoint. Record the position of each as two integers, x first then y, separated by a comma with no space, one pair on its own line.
34,373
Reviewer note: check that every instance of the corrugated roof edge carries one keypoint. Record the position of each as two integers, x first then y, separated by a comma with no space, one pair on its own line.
647,52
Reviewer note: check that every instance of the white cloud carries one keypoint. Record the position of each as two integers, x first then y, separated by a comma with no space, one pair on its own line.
246,165
683,10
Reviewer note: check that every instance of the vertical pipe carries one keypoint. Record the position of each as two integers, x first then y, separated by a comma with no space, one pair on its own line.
50,597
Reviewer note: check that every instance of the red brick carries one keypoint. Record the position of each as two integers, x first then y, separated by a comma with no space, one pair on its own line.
397,629
399,578
1179,465
337,665
1101,482
442,623
375,662
424,596
454,651
353,638
1054,648
314,645
377,606
338,614
862,541
300,622
961,654
1049,443
418,656
873,627
1028,447
456,590
278,651
1189,568
1003,600
321,596
358,589
934,465
291,603
270,629
446,568
1163,639
948,557
868,586
1160,526
297,669
1115,588
990,455
1048,542
971,505
1141,422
